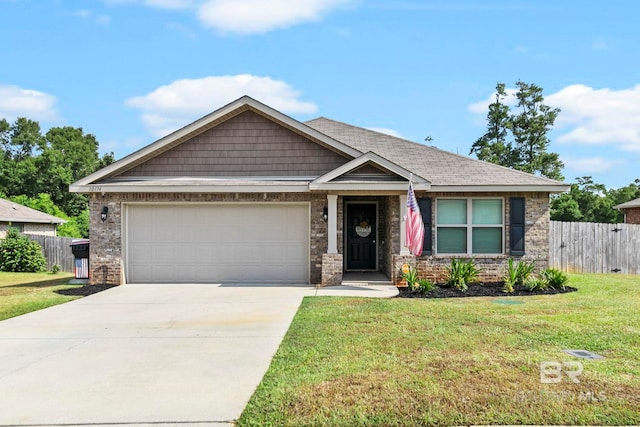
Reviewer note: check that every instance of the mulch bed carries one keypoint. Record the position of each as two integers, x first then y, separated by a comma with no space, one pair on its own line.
85,290
480,290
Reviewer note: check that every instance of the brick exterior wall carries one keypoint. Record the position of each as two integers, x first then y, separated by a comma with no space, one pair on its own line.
105,258
537,211
29,228
106,262
632,216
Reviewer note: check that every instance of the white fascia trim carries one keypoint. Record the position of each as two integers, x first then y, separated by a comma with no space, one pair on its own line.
180,133
500,188
366,185
34,221
239,188
368,157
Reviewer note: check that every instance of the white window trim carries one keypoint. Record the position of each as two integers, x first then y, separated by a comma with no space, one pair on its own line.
470,226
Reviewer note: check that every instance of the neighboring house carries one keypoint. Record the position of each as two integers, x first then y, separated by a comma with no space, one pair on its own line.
631,211
248,194
26,220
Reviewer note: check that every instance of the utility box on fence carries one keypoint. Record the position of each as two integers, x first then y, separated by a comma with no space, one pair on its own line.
80,250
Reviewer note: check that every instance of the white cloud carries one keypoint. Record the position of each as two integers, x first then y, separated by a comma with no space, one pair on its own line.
387,131
247,16
599,44
590,116
174,105
259,16
170,4
482,107
599,116
18,102
590,164
99,19
160,4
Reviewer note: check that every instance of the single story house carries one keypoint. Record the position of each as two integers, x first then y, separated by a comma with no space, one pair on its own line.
631,211
248,194
26,220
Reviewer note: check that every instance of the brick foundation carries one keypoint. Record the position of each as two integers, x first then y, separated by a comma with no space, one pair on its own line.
492,267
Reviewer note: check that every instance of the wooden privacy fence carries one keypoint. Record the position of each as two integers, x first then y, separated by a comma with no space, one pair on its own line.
585,247
56,251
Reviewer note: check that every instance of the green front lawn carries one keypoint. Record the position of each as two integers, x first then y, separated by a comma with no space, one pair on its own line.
351,361
22,293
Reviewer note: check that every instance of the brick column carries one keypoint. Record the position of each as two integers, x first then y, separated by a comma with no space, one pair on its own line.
331,269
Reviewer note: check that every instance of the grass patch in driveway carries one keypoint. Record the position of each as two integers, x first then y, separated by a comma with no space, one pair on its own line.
22,293
350,361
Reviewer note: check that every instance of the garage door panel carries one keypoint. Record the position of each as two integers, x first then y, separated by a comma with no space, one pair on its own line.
256,243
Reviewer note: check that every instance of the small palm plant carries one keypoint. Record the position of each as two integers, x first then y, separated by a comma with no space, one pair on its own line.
517,274
410,275
461,273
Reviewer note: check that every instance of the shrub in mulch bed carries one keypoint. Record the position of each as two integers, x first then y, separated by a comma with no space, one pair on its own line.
493,289
85,290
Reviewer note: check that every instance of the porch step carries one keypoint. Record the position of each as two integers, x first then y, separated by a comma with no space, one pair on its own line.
364,279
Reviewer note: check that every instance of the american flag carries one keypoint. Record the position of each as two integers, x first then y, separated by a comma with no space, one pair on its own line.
414,225
82,268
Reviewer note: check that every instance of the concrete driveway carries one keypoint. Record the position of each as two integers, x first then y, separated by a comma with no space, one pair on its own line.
146,354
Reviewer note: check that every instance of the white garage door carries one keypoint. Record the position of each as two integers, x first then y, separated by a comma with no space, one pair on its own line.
258,243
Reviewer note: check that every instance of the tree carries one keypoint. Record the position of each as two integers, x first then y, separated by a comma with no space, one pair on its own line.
74,227
588,201
32,164
526,150
493,146
565,208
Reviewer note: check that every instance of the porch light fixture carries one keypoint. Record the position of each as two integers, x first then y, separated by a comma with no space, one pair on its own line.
103,214
325,214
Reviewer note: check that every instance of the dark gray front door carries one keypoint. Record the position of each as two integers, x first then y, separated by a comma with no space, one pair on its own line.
361,236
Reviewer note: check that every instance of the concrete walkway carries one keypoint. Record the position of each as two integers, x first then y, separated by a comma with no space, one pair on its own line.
148,354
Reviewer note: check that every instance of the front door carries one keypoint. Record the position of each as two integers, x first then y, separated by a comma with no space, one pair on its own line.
361,236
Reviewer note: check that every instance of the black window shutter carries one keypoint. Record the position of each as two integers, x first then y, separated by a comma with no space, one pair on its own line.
517,226
424,203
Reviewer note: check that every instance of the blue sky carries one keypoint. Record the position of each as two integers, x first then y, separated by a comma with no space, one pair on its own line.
130,71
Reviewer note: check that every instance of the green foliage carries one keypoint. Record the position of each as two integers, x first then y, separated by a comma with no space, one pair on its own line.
535,284
55,269
32,163
527,147
411,277
517,274
588,201
461,273
19,254
424,286
556,279
415,283
74,227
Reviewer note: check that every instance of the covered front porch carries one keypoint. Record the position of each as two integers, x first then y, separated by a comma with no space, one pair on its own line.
363,235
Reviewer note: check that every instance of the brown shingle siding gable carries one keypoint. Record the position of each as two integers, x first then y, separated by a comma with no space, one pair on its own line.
245,145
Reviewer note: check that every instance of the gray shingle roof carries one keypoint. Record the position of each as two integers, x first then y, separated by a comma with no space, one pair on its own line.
630,204
14,212
433,164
